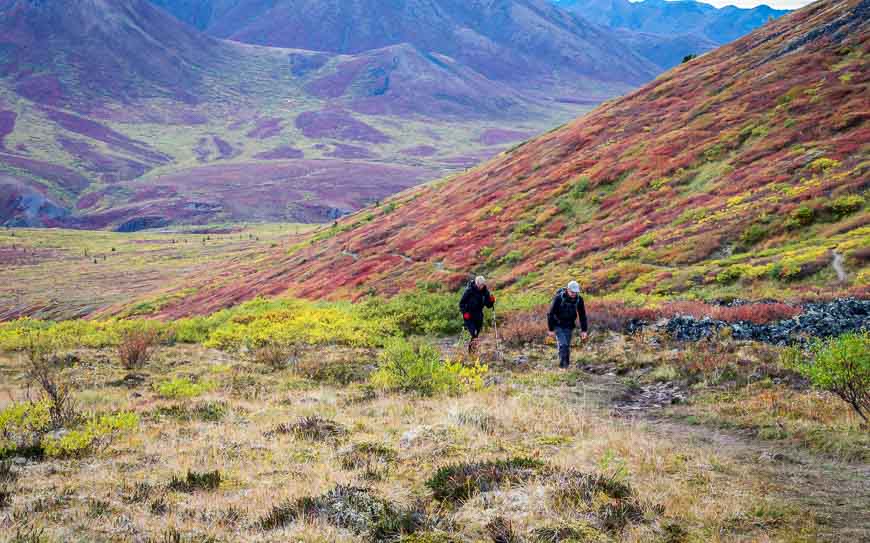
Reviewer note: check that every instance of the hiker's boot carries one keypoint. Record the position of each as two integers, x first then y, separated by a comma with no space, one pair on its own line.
472,346
564,356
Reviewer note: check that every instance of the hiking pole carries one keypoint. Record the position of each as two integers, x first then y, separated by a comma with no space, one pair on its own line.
499,356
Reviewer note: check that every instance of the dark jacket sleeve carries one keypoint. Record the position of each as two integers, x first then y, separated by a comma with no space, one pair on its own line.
487,298
463,303
581,312
551,316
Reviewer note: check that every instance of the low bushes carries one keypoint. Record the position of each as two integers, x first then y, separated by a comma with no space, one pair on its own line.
616,315
249,326
16,335
195,481
839,365
313,428
758,313
22,426
458,482
355,509
612,501
136,346
524,327
416,313
296,322
182,388
373,459
98,432
25,429
417,367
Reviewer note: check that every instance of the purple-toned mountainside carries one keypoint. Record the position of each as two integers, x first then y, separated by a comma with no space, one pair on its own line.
72,52
114,114
529,42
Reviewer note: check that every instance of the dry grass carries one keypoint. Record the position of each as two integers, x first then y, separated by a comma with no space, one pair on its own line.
122,493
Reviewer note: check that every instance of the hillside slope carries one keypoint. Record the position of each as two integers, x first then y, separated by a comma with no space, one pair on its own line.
741,173
116,115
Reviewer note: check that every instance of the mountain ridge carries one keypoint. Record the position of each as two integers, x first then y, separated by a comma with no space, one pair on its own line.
111,121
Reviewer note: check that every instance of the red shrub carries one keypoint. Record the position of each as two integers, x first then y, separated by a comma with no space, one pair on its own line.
615,315
758,313
137,346
527,326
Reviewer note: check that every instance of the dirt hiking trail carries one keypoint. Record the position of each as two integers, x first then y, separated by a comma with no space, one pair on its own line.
838,493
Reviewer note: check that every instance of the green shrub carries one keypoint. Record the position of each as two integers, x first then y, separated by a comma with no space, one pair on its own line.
729,275
753,234
415,313
97,432
196,329
373,458
839,365
846,205
645,240
182,387
580,187
524,228
313,428
802,216
193,481
417,367
458,482
204,411
512,257
298,322
824,164
22,426
355,509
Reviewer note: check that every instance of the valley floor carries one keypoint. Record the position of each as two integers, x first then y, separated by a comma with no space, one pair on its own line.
668,473
62,274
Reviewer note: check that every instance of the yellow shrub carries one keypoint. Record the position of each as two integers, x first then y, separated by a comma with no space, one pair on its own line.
305,323
99,431
182,388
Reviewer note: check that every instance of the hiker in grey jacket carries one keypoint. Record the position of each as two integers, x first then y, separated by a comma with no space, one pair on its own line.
567,306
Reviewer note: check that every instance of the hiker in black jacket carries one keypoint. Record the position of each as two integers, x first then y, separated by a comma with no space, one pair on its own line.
562,319
474,299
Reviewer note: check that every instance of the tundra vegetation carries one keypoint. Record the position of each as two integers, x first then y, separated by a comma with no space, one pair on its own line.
374,427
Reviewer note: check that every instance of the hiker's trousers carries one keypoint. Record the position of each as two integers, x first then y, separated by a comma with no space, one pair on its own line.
563,339
474,326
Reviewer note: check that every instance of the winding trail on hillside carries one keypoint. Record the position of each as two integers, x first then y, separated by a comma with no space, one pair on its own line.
838,264
837,493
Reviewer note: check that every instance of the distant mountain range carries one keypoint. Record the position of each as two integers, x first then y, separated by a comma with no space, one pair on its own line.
527,42
661,31
114,114
741,173
666,17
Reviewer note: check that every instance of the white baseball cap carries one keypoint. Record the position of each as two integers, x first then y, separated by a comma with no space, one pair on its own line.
574,286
